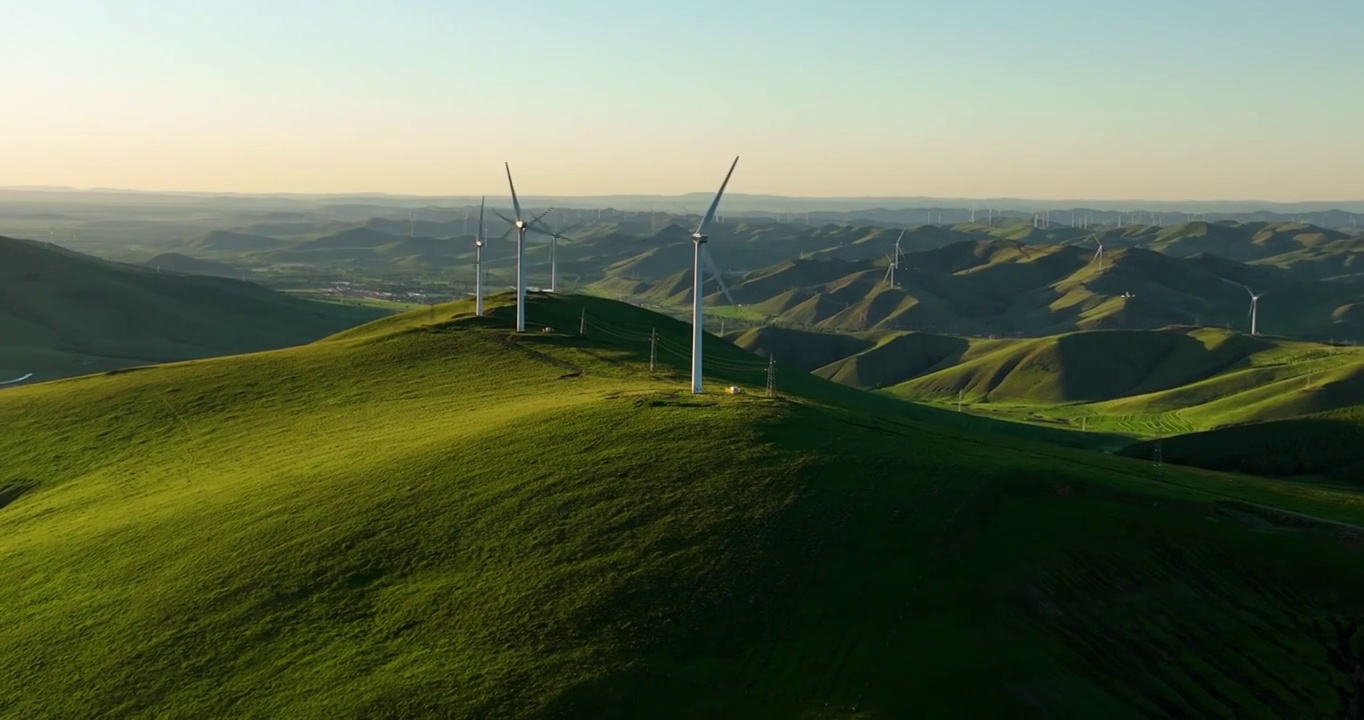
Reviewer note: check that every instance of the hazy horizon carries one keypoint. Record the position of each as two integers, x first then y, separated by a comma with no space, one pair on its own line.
984,99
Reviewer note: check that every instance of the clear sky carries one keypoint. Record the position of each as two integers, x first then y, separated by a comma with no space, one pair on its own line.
1101,99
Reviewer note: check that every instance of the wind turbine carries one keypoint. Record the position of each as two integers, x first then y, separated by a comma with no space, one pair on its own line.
1254,311
894,260
521,227
554,236
697,316
478,261
1099,254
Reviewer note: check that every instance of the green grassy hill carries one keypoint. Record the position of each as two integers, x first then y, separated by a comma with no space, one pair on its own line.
229,242
1150,383
63,313
1008,287
1327,445
186,265
1134,383
441,518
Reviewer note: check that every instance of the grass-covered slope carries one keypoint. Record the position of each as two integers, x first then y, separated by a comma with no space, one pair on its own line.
417,519
1129,382
1325,445
63,313
1006,287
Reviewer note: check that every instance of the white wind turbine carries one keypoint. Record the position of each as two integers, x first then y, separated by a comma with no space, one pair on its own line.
697,316
478,261
521,227
1254,311
554,237
894,261
1099,254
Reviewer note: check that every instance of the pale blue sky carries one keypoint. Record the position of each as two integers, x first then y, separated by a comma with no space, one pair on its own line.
1047,99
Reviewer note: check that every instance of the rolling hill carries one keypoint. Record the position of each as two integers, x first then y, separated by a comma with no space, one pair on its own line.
186,265
1135,382
438,517
1327,445
63,313
1002,288
229,242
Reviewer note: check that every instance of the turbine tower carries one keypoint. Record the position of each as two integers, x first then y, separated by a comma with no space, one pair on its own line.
697,316
478,261
1254,311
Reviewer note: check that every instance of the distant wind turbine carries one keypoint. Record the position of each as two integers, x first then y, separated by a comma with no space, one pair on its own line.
1099,254
1254,311
894,261
554,237
697,310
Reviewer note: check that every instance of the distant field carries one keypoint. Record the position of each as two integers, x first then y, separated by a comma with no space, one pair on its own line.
382,303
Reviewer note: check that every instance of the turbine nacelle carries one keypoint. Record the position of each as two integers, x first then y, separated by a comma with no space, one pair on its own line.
699,237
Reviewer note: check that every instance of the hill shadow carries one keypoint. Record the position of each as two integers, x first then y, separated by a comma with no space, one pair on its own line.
12,490
1106,365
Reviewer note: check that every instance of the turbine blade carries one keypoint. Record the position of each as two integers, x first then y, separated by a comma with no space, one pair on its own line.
541,216
715,270
715,204
506,219
516,204
17,380
481,202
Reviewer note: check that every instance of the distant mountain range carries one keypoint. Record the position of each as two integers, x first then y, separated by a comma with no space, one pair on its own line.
736,201
971,279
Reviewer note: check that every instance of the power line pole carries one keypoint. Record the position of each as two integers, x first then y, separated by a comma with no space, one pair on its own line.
582,322
771,376
653,347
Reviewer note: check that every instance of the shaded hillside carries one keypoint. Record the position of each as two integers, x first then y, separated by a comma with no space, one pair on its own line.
228,242
807,351
441,518
63,313
1004,288
1158,382
1328,445
186,265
